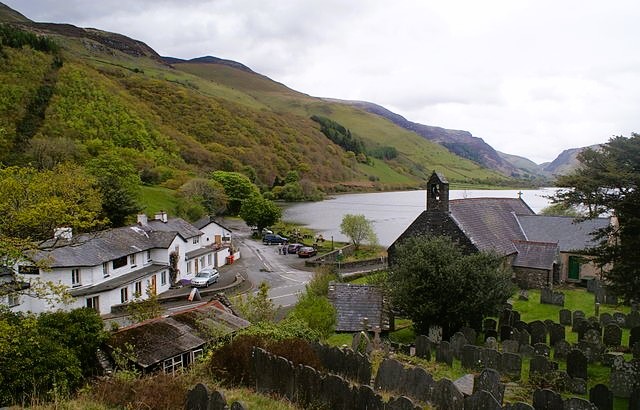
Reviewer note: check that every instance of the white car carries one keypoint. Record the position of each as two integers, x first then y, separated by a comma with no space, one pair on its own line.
205,278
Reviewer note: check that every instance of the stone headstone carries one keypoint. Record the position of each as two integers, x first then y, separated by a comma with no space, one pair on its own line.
565,317
505,318
390,375
236,405
435,333
620,318
489,380
561,350
605,318
465,384
423,347
634,336
489,323
457,341
490,358
601,396
578,314
610,298
593,285
198,398
556,333
612,335
538,332
418,384
367,398
444,353
447,396
491,343
481,400
523,337
577,364
469,334
539,365
576,385
542,350
518,406
505,332
217,401
490,333
576,403
632,320
547,400
511,365
526,350
470,357
520,325
580,325
510,346
401,403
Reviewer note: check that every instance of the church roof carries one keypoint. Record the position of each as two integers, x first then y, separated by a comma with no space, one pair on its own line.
353,303
570,234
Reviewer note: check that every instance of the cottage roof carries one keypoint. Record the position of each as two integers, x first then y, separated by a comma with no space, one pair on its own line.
536,255
118,281
179,225
92,249
571,234
206,220
490,223
353,303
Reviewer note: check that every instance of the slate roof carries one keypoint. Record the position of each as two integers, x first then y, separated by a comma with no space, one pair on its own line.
570,234
356,302
92,249
179,225
490,223
536,255
206,220
117,281
161,338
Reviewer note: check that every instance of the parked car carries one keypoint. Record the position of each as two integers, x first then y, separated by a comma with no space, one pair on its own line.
205,278
294,247
272,238
307,252
254,230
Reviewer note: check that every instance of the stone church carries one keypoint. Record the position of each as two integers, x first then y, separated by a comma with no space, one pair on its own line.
542,250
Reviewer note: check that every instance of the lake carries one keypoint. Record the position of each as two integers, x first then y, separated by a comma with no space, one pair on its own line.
390,212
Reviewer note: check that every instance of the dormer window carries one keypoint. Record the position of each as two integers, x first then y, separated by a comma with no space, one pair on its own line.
196,240
75,277
132,259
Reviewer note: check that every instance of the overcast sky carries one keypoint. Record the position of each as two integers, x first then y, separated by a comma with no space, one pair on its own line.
531,78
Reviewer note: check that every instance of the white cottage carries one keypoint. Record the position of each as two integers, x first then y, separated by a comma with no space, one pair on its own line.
112,267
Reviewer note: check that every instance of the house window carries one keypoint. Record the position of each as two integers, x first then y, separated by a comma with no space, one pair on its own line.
138,286
120,262
28,270
189,267
163,277
132,259
105,269
13,299
202,262
94,303
209,260
196,354
196,240
124,295
149,255
75,277
172,365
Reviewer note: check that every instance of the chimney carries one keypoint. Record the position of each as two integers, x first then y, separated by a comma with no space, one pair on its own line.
63,233
161,216
142,219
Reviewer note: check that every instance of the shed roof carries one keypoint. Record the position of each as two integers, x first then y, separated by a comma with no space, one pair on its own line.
353,303
536,255
571,234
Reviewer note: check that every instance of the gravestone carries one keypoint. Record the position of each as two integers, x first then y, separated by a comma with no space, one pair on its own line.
423,347
511,365
490,358
505,332
612,335
605,318
481,400
577,364
542,350
217,401
490,333
418,384
457,341
491,343
489,380
515,317
510,346
469,334
634,336
435,333
578,314
561,350
539,365
367,398
236,405
593,285
550,297
489,324
576,385
505,318
470,357
401,403
565,317
556,333
526,350
518,406
198,398
464,384
538,332
546,399
620,318
444,353
390,375
610,298
523,337
576,403
447,396
601,396
610,358
579,326
632,320
520,325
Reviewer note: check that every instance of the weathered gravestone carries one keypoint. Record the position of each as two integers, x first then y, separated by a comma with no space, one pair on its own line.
610,358
236,405
635,350
336,392
601,396
470,357
620,318
490,333
561,350
435,333
579,326
542,350
390,376
577,364
526,350
518,406
578,314
538,332
612,335
539,365
624,378
565,317
418,384
423,347
481,400
505,332
457,341
550,297
505,318
556,333
511,365
489,380
576,403
446,396
444,354
491,343
523,337
520,325
464,384
633,320
634,336
198,398
510,346
489,324
217,401
546,399
490,358
605,318
576,385
515,317
469,334
366,398
401,403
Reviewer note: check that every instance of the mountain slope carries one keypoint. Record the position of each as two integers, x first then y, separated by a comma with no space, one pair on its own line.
567,161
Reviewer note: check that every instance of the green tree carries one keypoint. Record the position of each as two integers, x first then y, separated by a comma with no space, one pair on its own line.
256,307
260,212
207,193
434,283
141,309
607,184
560,209
119,184
314,307
237,187
358,229
33,203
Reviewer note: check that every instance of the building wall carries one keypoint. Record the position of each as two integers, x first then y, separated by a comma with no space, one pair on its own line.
528,278
588,269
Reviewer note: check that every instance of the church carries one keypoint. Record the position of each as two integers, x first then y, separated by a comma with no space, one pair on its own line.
542,250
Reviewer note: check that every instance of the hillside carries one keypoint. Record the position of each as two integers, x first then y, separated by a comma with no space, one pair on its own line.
175,119
566,162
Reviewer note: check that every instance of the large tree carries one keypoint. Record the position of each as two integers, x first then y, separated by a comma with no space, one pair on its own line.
237,187
358,229
434,283
260,212
607,184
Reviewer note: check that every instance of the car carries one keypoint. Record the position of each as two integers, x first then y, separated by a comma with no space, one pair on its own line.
254,231
205,277
293,247
307,252
272,238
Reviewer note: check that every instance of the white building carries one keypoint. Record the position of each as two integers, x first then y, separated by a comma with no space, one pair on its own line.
112,267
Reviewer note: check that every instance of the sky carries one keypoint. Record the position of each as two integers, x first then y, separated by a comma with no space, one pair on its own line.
531,78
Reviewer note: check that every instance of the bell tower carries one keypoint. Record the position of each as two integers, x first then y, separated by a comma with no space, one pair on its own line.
437,193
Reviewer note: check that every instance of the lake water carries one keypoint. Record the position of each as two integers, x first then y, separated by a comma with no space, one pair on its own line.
391,212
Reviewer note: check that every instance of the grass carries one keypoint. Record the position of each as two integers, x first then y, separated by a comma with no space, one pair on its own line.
154,199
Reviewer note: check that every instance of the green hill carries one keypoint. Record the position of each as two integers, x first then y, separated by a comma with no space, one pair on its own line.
105,92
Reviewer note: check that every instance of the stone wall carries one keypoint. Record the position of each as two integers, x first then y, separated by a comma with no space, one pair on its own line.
527,278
